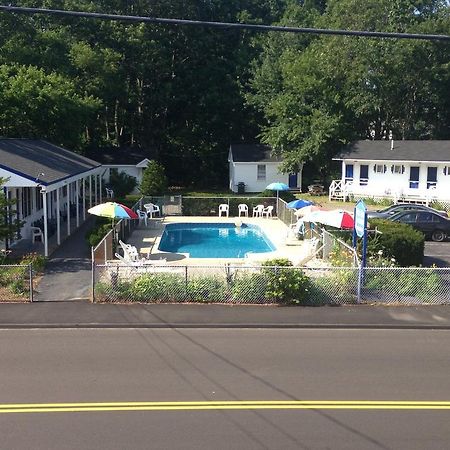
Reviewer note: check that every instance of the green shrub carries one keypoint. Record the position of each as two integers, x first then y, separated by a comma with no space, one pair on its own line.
338,287
38,261
154,180
399,241
101,228
158,287
249,288
285,284
206,289
121,183
422,284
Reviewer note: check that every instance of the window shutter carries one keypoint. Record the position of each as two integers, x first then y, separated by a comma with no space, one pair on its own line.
384,169
403,168
445,170
392,169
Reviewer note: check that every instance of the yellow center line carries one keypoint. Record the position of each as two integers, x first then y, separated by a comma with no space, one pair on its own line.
223,405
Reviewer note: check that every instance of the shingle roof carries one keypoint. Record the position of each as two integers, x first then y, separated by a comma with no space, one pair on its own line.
122,156
34,159
403,151
253,153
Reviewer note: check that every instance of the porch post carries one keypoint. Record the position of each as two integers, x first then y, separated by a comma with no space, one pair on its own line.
68,209
84,198
58,217
77,200
96,188
44,202
90,191
100,191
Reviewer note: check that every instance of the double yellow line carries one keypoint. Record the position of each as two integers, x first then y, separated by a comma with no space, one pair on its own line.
220,405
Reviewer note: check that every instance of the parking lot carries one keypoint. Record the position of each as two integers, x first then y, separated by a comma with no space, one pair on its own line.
437,253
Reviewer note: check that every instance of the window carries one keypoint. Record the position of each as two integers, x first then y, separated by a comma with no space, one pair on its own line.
261,174
379,168
431,177
363,175
26,202
397,168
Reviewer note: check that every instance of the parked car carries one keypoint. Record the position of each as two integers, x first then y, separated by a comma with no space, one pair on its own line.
431,224
401,207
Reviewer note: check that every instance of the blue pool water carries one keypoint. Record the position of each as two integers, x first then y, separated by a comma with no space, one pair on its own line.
214,240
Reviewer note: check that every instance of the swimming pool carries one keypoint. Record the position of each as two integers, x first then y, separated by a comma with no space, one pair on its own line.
214,240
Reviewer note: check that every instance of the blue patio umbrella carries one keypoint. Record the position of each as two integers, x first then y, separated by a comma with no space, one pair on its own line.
299,203
277,186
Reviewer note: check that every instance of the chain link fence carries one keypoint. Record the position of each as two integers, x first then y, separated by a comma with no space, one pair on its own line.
239,284
16,283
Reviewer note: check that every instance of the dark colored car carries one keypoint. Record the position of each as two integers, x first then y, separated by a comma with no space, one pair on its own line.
432,225
401,207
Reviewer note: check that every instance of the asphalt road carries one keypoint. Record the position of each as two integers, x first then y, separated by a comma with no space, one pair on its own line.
89,367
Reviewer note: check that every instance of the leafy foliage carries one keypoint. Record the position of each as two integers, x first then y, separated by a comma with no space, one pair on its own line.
122,184
154,180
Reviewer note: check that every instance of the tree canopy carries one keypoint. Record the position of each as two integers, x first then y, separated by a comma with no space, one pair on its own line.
181,95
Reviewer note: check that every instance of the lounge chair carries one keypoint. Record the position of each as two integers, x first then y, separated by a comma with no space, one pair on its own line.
130,252
309,250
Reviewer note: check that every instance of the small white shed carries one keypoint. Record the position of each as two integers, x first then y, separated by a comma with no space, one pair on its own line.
129,161
253,166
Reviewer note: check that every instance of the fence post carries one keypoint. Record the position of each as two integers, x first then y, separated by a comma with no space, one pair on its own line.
30,271
92,276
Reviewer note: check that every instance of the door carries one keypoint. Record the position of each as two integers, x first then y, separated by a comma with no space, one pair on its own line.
363,174
349,172
431,177
414,177
293,180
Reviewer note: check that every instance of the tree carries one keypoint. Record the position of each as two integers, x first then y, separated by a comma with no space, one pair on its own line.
154,180
319,94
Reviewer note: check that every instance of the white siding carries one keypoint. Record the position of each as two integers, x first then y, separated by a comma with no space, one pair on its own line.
397,184
247,173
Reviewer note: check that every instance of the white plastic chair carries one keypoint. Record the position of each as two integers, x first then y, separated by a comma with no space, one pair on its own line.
109,193
36,232
151,209
267,211
258,210
142,216
223,208
242,210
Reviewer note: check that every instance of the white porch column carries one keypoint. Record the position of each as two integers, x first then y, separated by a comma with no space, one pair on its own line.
44,202
58,217
343,172
77,200
68,209
84,198
90,191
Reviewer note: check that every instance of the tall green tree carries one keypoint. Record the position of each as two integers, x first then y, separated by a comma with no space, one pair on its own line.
318,95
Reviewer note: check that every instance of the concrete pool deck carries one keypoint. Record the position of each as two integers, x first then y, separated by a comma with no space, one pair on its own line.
146,239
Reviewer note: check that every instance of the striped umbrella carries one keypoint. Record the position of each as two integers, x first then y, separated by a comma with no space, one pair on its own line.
113,210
